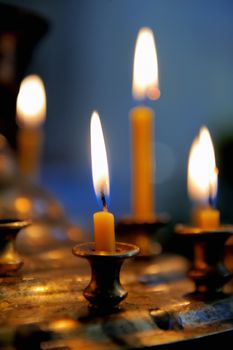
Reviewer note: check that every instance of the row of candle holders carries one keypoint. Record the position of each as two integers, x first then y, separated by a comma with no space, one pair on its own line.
105,291
207,271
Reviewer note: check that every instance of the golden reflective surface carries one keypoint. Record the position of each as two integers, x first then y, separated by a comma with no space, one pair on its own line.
46,297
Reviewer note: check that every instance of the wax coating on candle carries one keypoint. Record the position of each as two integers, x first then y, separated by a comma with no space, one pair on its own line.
104,232
142,125
30,141
206,217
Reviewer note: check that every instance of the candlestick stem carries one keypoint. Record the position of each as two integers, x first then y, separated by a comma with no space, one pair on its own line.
105,290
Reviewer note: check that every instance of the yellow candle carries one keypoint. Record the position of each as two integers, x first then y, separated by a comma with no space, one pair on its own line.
202,181
206,217
31,110
104,233
30,148
142,124
145,85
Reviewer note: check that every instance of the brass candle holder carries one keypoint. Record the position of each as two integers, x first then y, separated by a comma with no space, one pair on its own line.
207,271
142,234
105,291
10,261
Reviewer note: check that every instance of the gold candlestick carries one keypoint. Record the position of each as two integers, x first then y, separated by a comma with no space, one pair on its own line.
207,271
10,261
206,234
105,291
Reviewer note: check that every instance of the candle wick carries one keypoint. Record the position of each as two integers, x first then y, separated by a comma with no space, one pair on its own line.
103,199
211,199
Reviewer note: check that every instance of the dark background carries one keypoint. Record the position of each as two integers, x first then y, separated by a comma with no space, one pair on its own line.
86,62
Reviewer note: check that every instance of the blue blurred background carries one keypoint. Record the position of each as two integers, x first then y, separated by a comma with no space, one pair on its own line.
86,63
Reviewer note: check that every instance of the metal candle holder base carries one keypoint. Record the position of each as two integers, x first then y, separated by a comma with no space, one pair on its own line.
105,290
10,261
208,271
142,234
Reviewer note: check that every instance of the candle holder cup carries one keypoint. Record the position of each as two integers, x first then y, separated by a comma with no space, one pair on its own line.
10,260
105,291
142,234
207,271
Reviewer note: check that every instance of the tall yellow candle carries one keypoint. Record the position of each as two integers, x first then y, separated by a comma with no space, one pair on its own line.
145,85
202,181
31,111
30,142
142,122
104,233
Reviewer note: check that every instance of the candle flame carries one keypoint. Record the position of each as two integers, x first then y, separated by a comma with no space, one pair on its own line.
202,171
145,69
100,173
31,102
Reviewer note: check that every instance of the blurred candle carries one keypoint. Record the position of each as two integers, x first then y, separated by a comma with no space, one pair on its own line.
145,85
202,181
30,115
104,233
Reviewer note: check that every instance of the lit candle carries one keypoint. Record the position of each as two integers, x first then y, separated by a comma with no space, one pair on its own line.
202,181
145,85
31,111
104,232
